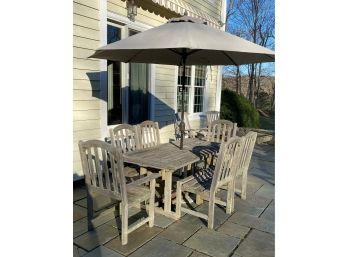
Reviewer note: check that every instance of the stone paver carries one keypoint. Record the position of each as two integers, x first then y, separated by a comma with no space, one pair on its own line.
97,237
213,243
102,251
264,225
233,229
162,221
180,231
197,254
257,244
220,216
79,212
78,251
99,202
80,227
269,213
79,193
160,247
266,191
135,240
249,206
243,219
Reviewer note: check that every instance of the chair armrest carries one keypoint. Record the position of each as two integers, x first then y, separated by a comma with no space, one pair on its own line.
144,180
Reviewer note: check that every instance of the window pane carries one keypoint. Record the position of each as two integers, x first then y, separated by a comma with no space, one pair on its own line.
187,75
179,102
200,75
138,90
198,99
114,81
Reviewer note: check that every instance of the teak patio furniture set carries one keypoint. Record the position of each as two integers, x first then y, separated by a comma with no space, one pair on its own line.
127,169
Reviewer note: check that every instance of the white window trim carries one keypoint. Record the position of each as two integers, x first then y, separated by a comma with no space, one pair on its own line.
105,15
192,115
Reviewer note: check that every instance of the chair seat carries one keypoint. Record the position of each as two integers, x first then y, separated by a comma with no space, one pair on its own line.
130,171
200,182
137,194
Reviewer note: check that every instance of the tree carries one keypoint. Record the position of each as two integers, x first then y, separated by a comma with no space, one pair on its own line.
254,21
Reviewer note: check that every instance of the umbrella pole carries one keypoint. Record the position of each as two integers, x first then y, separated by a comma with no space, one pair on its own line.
182,123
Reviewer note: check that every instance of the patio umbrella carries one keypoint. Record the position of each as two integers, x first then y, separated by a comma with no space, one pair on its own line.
185,41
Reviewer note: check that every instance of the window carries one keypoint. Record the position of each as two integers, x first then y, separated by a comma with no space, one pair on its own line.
187,83
194,90
199,88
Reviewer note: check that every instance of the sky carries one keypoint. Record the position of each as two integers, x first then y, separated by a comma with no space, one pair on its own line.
236,23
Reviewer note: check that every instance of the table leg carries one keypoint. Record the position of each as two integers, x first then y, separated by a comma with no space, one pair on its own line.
167,176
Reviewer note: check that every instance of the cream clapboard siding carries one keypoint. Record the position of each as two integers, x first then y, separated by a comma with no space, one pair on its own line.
86,88
210,7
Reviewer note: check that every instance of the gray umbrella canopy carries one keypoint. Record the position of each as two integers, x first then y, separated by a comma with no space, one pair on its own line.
185,41
203,45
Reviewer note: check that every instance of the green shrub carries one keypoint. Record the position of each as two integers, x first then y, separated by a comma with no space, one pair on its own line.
238,109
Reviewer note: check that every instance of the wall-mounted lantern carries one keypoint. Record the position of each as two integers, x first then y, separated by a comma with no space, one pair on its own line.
131,9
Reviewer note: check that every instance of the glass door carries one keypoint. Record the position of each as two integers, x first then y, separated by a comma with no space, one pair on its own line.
114,81
138,97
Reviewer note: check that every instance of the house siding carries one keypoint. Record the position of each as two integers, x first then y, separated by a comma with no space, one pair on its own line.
86,88
86,78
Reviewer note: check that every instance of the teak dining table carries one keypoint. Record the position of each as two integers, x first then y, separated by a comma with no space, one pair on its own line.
168,158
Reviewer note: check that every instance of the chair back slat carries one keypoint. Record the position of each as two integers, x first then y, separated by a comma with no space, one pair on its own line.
247,150
97,164
227,162
211,116
102,165
125,137
105,167
221,130
90,163
149,134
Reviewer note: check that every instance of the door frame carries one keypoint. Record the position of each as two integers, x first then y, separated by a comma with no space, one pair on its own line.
124,24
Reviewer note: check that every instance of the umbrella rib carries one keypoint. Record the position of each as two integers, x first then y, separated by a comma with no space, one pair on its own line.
272,57
135,55
178,53
229,57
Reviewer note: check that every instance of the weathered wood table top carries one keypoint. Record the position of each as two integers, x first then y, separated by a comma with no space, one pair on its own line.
168,156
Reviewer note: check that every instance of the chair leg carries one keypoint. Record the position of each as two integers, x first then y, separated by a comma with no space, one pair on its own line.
124,219
178,199
152,203
230,198
244,183
90,213
211,212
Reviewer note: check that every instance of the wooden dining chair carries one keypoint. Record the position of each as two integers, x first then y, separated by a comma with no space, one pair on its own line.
125,137
211,116
148,132
206,182
189,132
109,180
221,130
244,160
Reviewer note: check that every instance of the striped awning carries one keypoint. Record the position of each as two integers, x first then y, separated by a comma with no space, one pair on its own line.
181,7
